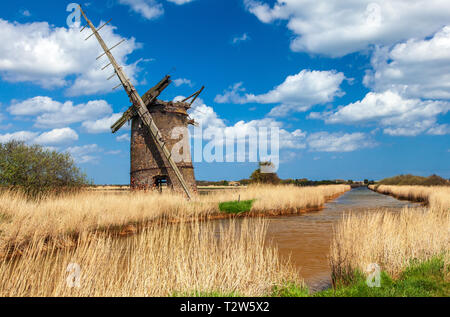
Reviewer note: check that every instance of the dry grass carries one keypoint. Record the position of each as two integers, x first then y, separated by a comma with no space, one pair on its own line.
284,198
434,196
22,221
390,239
162,261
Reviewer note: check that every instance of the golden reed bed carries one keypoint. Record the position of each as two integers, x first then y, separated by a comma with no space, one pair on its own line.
56,219
393,239
183,259
434,196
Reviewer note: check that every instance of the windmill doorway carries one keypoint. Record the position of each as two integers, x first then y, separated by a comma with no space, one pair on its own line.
160,183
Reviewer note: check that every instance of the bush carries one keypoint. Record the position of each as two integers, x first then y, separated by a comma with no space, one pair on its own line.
36,171
262,176
433,180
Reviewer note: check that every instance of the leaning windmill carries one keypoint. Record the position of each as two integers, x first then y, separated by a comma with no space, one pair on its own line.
152,122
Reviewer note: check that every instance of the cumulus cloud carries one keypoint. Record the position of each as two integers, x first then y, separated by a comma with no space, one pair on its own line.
23,136
293,140
124,138
297,93
182,81
53,57
51,113
336,27
84,154
101,125
57,136
440,129
418,68
398,115
338,142
149,9
206,117
53,137
34,106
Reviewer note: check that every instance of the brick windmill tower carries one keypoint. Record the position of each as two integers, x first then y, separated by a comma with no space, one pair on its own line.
153,120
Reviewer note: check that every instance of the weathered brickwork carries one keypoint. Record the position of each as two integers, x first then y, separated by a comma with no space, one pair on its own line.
148,165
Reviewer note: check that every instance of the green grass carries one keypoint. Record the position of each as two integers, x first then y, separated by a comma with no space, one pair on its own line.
419,279
290,290
425,279
205,294
236,207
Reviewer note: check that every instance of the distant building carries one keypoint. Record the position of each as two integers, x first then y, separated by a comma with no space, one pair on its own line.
236,184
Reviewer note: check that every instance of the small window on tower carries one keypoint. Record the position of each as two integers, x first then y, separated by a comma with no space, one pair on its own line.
160,182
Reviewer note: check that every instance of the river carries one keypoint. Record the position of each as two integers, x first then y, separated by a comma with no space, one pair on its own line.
306,238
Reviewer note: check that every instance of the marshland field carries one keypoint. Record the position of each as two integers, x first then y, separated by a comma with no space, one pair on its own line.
266,240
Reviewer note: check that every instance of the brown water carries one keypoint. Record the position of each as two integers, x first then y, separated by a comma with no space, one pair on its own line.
306,238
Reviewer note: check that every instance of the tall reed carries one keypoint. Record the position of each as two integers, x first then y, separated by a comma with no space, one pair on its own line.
165,260
22,220
389,239
435,196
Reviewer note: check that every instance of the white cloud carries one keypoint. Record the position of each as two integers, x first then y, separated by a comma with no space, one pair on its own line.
440,129
34,106
102,125
295,140
26,13
59,57
6,126
297,93
417,68
232,95
53,137
206,117
23,136
51,113
149,9
182,81
338,142
398,116
57,136
336,27
238,39
84,154
124,138
114,152
180,2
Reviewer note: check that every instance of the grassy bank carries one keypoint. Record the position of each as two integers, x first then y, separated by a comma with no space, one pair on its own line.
436,196
429,278
56,219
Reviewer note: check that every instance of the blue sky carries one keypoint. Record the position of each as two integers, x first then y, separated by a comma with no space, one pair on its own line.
359,89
